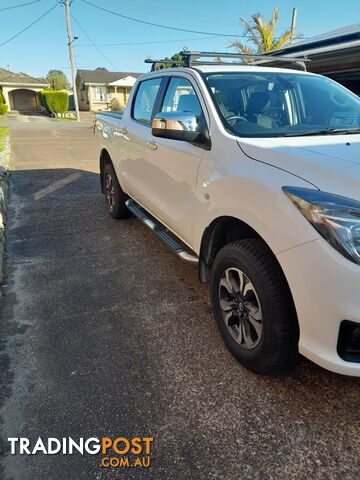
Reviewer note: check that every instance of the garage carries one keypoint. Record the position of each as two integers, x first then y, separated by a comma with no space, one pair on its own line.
23,100
21,91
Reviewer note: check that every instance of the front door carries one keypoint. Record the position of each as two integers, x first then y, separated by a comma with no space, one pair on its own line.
172,165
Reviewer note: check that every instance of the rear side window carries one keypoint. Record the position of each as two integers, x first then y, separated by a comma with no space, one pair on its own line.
145,100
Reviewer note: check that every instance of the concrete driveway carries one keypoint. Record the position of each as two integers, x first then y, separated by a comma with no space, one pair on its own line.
104,332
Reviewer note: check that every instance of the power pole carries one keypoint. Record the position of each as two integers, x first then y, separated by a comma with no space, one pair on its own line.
293,23
72,58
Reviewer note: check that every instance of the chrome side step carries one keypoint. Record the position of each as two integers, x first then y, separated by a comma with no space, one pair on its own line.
167,237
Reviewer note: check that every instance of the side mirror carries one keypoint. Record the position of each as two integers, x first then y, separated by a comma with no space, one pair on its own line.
181,126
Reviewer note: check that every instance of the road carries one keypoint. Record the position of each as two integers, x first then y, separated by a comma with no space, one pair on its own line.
104,332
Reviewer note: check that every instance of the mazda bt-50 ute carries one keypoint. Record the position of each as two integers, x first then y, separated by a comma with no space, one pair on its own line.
252,173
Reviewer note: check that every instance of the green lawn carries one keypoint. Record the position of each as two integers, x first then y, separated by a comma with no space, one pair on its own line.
4,131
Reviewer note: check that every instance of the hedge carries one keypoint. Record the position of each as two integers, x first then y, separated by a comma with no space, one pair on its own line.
3,108
55,101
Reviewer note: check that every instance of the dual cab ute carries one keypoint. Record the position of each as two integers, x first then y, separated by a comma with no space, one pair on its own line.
252,173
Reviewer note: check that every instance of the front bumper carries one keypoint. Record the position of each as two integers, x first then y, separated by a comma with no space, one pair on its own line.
326,290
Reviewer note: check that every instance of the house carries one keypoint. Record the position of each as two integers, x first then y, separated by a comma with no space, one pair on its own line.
335,54
96,88
21,90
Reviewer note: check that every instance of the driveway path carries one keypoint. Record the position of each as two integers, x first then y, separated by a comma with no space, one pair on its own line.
104,332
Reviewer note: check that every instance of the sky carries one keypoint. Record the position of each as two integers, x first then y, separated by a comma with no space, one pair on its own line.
44,46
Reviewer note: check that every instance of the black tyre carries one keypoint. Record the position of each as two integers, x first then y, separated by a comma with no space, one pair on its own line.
253,307
114,195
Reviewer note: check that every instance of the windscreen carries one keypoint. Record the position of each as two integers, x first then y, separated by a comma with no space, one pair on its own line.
273,104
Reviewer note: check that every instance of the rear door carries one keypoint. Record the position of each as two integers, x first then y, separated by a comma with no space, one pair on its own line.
171,166
131,139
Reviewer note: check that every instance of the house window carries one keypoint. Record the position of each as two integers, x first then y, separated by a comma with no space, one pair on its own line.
100,94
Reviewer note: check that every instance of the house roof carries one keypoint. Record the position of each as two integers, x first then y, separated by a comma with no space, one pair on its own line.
103,76
6,76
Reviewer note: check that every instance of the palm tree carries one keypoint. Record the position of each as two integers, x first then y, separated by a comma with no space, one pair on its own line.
262,34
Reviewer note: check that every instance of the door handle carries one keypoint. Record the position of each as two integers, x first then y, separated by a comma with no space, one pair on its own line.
151,145
120,133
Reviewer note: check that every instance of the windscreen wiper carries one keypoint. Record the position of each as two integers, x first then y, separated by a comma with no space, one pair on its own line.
345,131
325,131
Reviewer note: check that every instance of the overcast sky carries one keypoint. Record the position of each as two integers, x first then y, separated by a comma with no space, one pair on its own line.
44,46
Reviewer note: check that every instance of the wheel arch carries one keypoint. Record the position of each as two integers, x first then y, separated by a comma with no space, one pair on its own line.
218,233
221,231
224,230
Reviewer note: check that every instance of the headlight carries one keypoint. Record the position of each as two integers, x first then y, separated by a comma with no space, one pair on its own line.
336,218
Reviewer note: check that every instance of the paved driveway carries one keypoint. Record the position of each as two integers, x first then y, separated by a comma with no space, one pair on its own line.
105,332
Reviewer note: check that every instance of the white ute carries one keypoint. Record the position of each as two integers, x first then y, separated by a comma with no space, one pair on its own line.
253,173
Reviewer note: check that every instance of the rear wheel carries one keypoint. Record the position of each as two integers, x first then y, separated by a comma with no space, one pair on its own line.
114,195
253,307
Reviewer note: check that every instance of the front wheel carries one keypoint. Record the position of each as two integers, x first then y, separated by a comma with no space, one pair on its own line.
253,307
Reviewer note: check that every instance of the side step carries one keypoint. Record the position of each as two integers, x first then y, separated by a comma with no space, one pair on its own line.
167,237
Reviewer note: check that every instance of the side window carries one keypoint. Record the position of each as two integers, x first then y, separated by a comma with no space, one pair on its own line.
145,100
181,97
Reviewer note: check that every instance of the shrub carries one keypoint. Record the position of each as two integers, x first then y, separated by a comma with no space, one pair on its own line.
3,108
55,101
41,99
116,105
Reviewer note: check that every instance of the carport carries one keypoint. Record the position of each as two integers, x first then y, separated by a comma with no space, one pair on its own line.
335,54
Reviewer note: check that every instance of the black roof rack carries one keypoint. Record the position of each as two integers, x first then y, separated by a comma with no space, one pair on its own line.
191,59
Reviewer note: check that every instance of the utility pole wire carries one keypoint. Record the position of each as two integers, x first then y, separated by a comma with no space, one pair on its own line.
157,24
20,5
29,26
145,43
93,43
72,59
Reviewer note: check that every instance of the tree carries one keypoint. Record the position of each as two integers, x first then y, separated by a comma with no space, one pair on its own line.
101,69
57,80
176,57
262,34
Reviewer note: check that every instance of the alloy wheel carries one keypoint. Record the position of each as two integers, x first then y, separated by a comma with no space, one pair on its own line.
110,191
240,308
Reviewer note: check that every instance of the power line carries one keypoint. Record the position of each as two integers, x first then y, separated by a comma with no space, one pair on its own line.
145,43
20,5
170,12
144,22
29,26
159,41
132,3
92,42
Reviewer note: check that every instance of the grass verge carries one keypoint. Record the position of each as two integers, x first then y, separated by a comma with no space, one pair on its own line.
4,131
